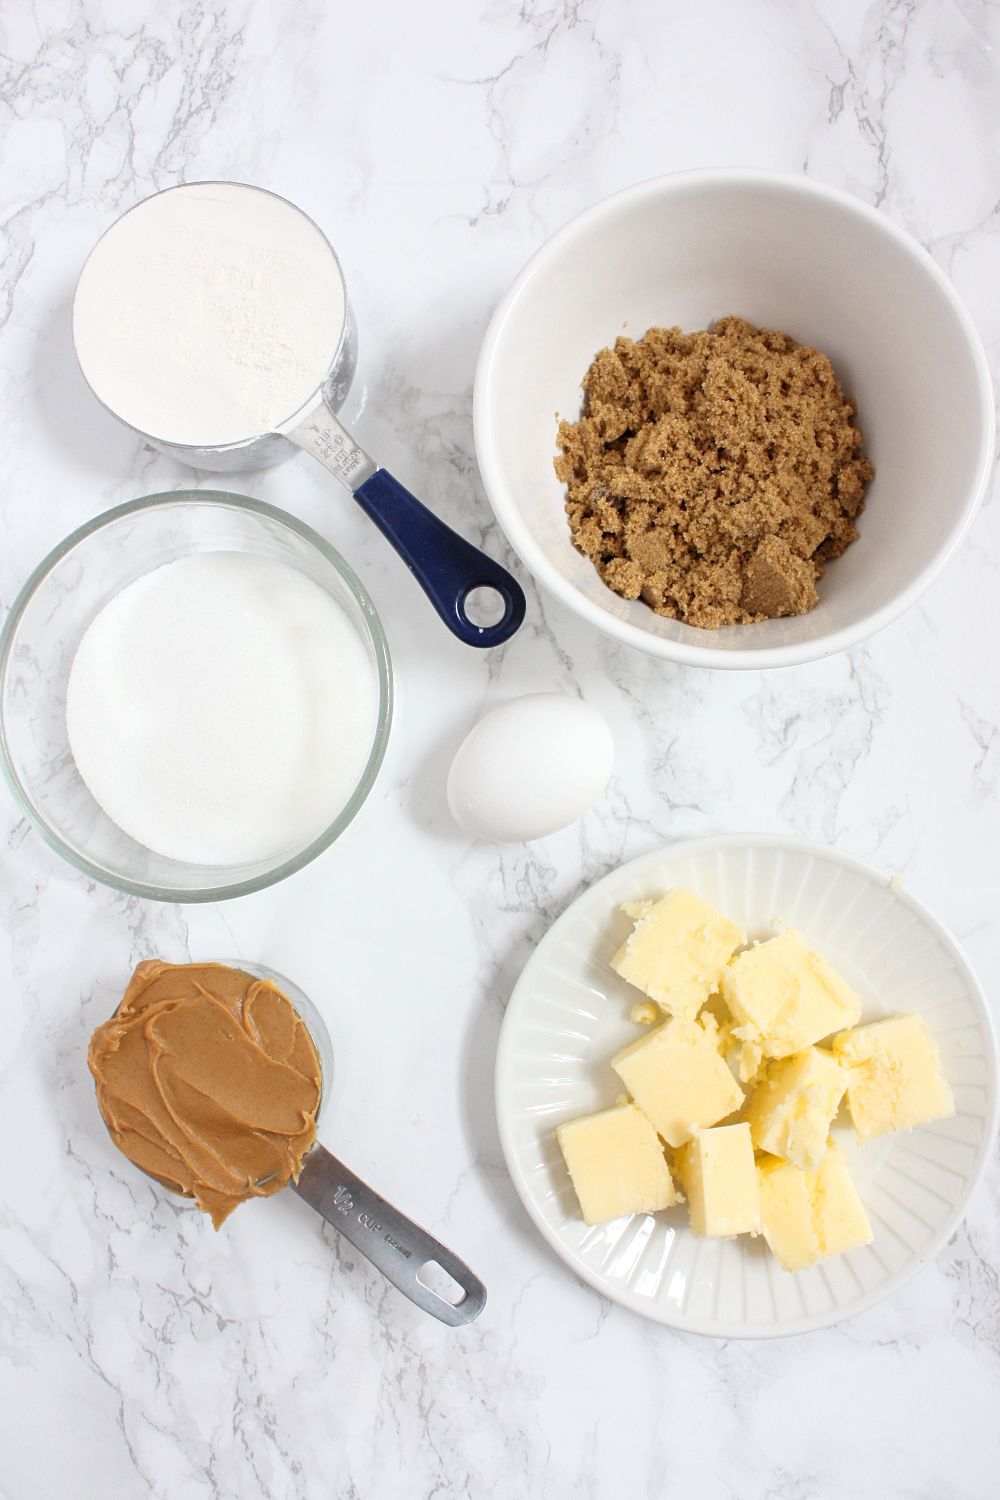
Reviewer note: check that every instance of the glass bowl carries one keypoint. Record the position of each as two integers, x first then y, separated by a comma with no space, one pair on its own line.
39,641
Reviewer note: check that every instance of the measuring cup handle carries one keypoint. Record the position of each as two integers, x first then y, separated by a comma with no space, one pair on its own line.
399,1248
447,567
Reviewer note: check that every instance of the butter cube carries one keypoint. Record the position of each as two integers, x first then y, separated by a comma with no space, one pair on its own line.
786,1215
839,1213
679,1078
616,1164
791,1111
717,1172
894,1078
785,997
677,950
807,1216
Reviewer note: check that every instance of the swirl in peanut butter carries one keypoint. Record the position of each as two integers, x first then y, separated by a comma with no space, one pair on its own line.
209,1081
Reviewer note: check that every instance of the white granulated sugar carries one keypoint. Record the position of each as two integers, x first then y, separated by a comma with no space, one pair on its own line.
221,709
208,314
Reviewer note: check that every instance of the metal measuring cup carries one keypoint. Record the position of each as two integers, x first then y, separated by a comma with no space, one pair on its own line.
400,1249
449,569
415,1262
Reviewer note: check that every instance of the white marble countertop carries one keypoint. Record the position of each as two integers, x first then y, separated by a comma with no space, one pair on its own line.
142,1354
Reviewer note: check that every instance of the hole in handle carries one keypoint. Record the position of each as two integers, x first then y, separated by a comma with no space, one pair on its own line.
437,1280
484,606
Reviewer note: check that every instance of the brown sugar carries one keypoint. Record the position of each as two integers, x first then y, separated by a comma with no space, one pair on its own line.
713,474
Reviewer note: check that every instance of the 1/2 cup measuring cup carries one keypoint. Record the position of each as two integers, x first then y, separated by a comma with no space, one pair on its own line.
413,1260
212,319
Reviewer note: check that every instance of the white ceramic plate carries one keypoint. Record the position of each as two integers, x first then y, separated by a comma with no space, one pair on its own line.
569,1014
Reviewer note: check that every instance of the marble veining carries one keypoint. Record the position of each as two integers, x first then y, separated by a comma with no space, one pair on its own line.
140,1353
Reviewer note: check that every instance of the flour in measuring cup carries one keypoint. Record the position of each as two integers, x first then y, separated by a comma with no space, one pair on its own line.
209,314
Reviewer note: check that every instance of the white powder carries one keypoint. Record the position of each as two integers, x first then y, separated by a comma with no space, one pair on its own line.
221,709
208,314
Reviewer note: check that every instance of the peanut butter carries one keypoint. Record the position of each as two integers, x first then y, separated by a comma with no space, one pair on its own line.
208,1079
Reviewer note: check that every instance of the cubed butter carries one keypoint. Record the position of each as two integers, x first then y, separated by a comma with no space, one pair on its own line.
785,997
677,950
717,1172
616,1164
679,1078
894,1078
807,1216
791,1111
838,1212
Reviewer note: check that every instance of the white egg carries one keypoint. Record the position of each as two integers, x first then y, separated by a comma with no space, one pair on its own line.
530,767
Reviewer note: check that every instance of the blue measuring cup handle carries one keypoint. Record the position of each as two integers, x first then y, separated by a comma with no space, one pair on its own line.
447,567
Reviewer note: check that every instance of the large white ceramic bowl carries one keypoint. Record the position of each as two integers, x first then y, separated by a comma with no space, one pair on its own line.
569,1014
786,253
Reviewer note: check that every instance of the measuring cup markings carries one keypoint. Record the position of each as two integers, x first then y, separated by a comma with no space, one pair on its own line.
320,434
344,1203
